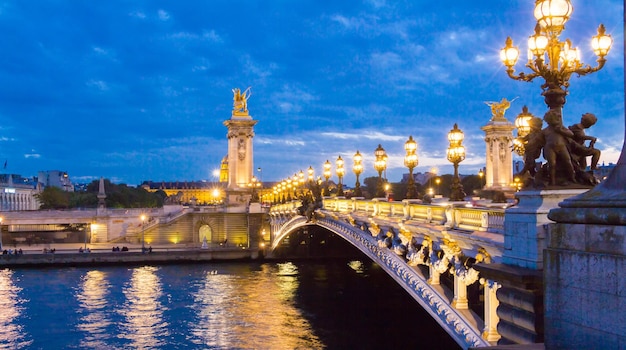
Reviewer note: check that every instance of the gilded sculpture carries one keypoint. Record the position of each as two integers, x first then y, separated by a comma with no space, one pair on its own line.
240,101
499,108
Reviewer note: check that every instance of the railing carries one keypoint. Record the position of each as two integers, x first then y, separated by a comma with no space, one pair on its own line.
453,215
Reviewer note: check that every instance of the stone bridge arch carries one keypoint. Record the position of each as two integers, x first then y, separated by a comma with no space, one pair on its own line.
455,323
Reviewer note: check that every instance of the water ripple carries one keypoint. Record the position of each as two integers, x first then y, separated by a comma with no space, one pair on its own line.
11,331
93,300
145,326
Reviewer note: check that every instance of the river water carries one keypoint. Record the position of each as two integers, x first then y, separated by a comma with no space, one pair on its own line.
338,304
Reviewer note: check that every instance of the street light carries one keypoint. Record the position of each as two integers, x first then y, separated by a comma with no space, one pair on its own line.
143,245
340,172
327,173
410,161
0,234
481,175
380,164
357,168
456,154
301,182
437,182
553,60
523,123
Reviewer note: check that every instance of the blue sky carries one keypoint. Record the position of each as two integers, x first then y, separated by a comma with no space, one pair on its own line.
138,90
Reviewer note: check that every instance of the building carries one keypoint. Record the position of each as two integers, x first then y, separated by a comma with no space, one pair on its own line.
18,193
55,178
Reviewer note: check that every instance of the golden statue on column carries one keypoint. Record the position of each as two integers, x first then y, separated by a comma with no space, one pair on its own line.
240,101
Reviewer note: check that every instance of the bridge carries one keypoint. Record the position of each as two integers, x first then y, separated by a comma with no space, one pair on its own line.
420,245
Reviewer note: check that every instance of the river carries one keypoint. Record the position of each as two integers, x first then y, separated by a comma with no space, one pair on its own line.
332,304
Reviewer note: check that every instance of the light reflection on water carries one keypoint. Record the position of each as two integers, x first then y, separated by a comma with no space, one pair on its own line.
252,311
204,306
92,296
144,324
11,334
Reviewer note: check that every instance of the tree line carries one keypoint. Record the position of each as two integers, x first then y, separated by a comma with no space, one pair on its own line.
117,196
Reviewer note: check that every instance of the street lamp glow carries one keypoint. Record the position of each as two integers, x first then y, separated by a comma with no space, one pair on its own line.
380,164
548,57
411,161
143,238
357,168
340,172
456,154
327,173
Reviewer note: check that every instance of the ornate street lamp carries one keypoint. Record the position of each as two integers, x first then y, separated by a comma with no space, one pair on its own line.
340,172
456,154
357,168
437,182
254,184
143,238
294,182
380,164
523,126
311,174
553,60
327,173
301,182
410,161
481,175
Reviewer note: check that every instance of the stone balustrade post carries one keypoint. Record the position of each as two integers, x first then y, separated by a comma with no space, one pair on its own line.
434,275
490,331
459,301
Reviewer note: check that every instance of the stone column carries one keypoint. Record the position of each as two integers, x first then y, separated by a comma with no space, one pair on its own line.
240,151
499,163
490,332
434,275
460,294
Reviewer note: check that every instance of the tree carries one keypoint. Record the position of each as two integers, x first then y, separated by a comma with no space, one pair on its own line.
53,198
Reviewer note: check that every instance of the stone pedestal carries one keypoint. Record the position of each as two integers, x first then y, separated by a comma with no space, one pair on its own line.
525,226
585,301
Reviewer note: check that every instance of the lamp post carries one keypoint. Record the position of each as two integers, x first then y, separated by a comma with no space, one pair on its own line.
310,178
143,238
410,161
340,172
1,234
301,182
327,173
456,154
295,181
553,60
380,164
481,175
357,168
437,182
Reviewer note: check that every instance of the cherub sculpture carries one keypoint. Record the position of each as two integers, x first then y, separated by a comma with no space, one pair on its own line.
579,151
556,151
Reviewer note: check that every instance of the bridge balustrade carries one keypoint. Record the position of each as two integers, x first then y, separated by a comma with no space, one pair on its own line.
454,216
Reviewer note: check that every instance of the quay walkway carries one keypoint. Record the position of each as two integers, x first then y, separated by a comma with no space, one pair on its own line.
102,254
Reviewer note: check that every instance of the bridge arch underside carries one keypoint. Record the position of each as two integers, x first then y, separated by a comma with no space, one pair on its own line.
461,326
314,241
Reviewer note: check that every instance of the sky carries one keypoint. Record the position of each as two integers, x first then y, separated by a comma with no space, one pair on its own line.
139,90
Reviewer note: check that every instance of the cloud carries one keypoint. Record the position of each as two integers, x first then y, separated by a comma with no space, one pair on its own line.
163,15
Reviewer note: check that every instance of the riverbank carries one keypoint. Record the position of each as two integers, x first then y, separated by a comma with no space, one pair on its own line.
71,255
